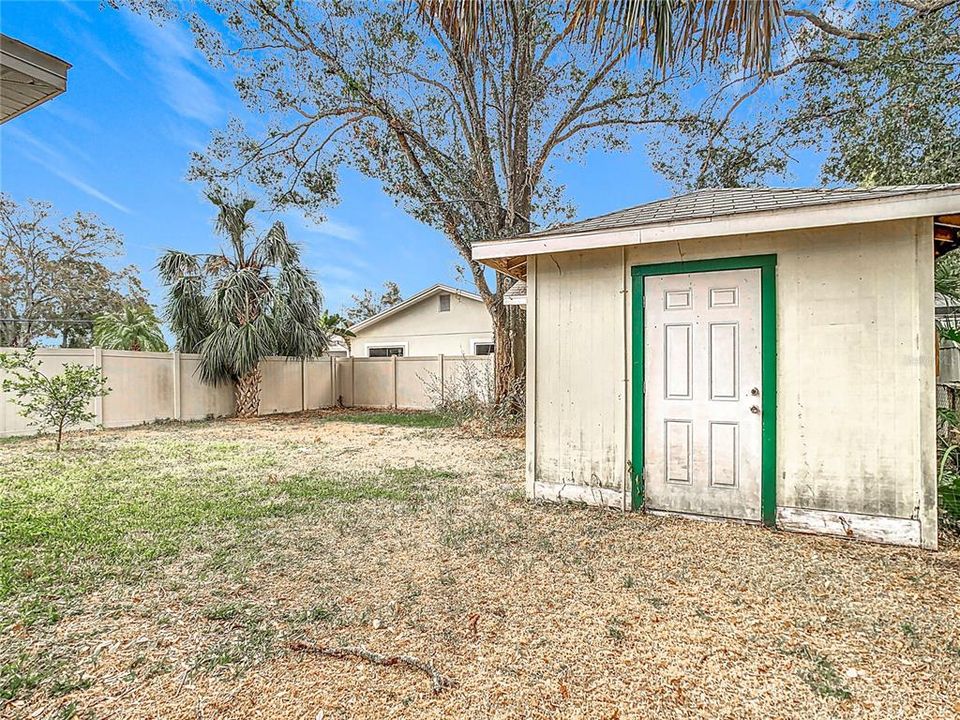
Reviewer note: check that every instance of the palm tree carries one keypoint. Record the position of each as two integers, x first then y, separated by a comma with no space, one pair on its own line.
946,275
132,328
335,325
674,28
237,306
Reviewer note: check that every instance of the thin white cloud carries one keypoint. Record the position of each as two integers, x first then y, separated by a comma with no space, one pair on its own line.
75,9
62,111
57,164
341,231
51,154
178,69
107,59
89,190
337,273
91,44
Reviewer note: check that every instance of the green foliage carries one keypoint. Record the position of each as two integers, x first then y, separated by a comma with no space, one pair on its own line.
72,520
249,301
948,478
335,324
946,275
55,274
822,676
132,328
872,87
948,482
406,419
51,401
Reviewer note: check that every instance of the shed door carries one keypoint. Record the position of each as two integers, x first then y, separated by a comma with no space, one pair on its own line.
702,384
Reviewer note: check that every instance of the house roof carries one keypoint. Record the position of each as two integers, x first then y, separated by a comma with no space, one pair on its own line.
728,211
516,294
413,300
718,202
28,77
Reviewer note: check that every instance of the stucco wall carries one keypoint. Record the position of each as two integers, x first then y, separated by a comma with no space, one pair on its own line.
856,397
427,331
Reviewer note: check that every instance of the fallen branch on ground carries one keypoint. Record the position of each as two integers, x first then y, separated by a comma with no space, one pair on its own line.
440,682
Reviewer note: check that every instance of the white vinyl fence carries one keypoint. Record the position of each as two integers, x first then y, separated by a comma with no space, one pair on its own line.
147,387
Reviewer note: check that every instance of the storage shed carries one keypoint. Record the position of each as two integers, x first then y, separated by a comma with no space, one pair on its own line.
762,355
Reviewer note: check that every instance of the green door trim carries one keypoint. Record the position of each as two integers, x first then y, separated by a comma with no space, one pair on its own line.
767,264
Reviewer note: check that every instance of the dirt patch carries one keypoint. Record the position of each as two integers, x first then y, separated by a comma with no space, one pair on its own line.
536,611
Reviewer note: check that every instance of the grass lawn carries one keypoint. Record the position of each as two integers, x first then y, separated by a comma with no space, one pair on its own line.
398,419
165,572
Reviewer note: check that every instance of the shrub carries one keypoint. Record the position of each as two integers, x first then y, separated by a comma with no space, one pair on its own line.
466,398
948,478
51,401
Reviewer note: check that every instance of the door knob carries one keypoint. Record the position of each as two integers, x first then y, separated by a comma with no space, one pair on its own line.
754,409
755,391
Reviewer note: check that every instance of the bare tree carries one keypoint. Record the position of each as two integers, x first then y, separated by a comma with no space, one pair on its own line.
366,305
56,274
464,141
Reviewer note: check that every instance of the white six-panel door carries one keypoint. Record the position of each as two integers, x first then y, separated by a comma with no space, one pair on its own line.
702,384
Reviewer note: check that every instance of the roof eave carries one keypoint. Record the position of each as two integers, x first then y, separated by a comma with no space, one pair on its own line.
412,300
851,212
46,73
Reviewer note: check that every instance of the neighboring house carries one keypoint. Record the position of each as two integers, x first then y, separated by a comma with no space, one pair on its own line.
338,347
948,358
28,77
765,355
440,320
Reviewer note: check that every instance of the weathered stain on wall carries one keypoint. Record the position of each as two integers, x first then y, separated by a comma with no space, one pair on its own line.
855,352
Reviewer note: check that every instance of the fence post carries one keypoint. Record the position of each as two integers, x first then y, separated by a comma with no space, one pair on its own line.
303,384
353,382
98,400
333,381
177,389
440,361
393,362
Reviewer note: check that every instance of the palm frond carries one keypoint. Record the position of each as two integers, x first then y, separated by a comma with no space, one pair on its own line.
232,222
274,248
132,328
673,28
175,264
236,310
946,275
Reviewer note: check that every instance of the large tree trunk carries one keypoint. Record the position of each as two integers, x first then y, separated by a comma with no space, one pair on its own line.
247,392
510,357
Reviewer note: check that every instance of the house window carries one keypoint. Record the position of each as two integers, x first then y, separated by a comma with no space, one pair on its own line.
385,351
482,348
444,302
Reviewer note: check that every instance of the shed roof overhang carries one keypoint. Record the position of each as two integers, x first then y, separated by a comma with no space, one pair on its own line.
943,205
28,77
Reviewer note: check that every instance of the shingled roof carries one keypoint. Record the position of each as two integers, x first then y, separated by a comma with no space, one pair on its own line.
732,211
719,202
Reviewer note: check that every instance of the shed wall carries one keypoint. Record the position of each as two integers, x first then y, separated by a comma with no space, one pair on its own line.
856,396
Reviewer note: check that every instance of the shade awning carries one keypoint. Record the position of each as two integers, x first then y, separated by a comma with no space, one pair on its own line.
28,77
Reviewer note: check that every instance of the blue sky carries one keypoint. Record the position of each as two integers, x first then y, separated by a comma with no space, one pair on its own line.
140,98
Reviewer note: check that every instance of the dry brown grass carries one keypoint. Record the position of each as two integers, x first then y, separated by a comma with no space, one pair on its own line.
537,611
